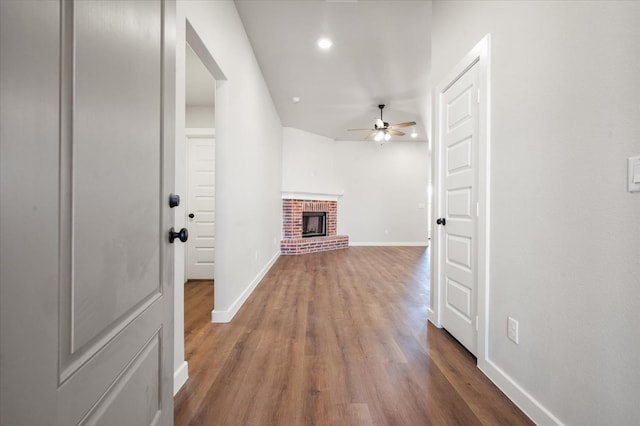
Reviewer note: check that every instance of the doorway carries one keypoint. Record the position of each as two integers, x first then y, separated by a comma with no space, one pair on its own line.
203,106
199,209
200,168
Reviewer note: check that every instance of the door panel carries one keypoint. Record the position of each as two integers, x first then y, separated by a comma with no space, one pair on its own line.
459,107
458,251
459,156
459,298
114,66
201,203
86,331
204,255
458,203
134,397
205,230
458,138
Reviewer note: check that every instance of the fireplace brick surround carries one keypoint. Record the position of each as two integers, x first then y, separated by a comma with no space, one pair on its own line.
292,242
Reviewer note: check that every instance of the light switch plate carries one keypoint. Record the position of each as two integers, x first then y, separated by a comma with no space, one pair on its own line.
634,172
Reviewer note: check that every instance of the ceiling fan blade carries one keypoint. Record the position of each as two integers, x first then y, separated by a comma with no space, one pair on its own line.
356,130
371,135
405,124
396,132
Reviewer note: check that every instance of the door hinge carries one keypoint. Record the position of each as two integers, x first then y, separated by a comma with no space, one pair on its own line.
478,97
476,323
477,209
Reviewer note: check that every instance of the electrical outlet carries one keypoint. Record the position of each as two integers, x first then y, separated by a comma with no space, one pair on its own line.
512,330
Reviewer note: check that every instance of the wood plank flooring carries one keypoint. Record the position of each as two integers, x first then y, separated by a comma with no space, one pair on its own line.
334,338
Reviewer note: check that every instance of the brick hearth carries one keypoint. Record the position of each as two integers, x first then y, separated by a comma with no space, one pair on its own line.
292,241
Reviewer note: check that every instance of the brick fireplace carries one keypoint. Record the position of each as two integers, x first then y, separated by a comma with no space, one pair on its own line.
292,240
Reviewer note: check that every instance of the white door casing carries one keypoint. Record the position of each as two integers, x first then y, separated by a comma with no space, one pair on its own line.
200,203
86,331
461,164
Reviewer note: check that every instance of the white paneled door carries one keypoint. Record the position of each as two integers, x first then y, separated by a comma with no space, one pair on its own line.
458,206
201,188
87,113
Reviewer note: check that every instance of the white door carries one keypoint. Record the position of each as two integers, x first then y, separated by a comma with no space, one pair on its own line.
200,208
86,332
458,114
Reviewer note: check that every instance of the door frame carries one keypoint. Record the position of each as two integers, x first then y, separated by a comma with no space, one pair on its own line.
481,56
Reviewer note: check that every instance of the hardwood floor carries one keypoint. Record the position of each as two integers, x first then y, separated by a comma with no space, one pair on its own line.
334,338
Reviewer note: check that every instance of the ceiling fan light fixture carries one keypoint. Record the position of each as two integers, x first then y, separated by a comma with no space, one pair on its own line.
382,131
324,43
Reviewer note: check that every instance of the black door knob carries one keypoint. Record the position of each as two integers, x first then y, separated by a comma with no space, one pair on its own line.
191,215
441,221
182,235
174,200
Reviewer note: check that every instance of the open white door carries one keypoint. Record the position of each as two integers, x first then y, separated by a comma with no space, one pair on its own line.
457,226
461,249
87,118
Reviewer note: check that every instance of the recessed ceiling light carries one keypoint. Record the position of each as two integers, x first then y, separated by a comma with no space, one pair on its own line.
295,99
324,43
414,134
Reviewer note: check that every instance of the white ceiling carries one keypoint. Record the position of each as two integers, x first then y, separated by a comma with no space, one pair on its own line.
200,85
380,54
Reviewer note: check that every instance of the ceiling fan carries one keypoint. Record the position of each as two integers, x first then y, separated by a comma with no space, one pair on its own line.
382,131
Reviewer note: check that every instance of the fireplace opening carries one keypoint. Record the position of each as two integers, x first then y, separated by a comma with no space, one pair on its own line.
314,224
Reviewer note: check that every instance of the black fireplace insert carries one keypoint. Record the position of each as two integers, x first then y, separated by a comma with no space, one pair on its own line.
314,224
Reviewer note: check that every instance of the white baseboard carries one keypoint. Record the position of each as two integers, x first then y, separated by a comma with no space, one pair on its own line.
221,316
527,403
389,244
180,377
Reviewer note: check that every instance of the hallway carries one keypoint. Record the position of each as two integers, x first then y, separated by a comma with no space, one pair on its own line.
334,338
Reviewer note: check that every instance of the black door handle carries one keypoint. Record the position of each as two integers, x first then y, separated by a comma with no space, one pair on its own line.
182,235
441,221
174,200
191,215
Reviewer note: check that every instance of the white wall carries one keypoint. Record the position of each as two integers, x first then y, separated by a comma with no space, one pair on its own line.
248,158
200,117
565,234
248,155
383,186
385,197
308,162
